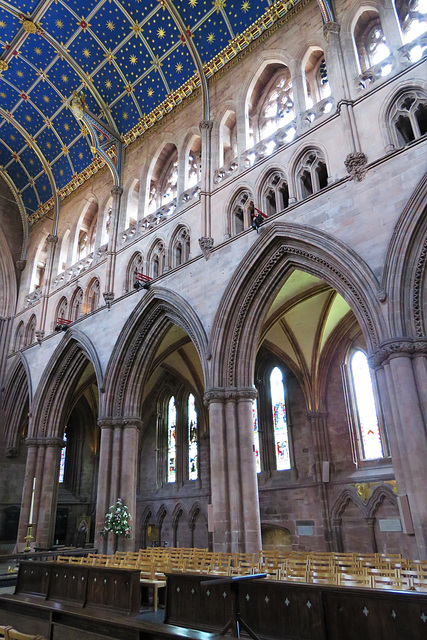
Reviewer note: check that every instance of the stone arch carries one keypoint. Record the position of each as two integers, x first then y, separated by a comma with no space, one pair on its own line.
381,493
294,167
17,396
135,264
405,86
179,245
195,515
146,516
404,276
130,361
64,368
344,499
258,279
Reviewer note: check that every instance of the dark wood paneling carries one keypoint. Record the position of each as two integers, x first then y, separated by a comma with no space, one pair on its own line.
33,578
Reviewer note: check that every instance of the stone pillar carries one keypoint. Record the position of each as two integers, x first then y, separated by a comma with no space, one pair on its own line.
206,241
409,439
129,473
182,174
46,516
52,241
116,192
30,473
233,471
371,527
299,98
104,476
391,29
337,76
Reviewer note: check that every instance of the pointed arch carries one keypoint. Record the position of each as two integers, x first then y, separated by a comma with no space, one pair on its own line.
257,280
381,493
59,379
16,397
342,502
130,362
404,274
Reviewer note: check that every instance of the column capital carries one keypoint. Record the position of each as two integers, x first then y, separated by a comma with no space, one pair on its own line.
206,125
116,191
331,28
52,239
227,394
32,442
397,347
54,442
315,415
21,264
132,423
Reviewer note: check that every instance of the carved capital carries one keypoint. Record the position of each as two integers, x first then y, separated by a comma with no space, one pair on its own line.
116,191
331,28
105,423
31,442
206,245
205,125
382,295
355,163
3,65
226,394
402,347
11,452
108,297
132,423
54,442
52,239
21,264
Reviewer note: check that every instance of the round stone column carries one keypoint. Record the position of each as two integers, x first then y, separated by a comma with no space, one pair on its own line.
104,476
30,472
49,492
129,475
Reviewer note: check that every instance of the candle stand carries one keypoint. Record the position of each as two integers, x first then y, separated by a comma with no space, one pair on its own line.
28,539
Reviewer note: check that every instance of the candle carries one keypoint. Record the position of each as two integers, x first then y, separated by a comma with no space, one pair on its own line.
32,502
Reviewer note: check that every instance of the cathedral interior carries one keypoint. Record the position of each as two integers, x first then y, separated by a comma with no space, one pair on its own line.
213,290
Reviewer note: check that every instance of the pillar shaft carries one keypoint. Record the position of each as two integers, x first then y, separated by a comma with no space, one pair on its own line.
104,476
30,471
49,493
116,193
129,473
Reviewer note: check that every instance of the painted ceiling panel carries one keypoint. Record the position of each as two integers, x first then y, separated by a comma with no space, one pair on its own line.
29,198
31,161
28,116
303,319
126,55
338,310
43,187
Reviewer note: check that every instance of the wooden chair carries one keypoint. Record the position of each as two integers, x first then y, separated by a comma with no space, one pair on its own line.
4,632
354,580
13,634
323,577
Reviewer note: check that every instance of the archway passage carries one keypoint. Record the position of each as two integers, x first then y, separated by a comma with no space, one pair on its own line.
78,466
60,484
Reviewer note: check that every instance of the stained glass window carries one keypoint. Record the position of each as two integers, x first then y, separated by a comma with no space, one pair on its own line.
171,440
365,407
192,438
256,435
281,439
62,460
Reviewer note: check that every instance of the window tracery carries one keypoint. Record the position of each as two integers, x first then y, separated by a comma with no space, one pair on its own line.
158,260
281,437
275,193
19,337
412,17
278,108
77,305
241,212
408,117
171,473
312,173
370,40
31,330
181,247
93,296
192,439
61,311
136,265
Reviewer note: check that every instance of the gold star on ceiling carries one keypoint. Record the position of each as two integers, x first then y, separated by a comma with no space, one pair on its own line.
192,3
48,145
136,29
246,6
124,115
66,127
150,92
161,33
218,4
133,59
64,78
80,156
86,53
178,67
211,38
108,84
28,118
110,25
46,99
2,24
19,74
59,24
38,51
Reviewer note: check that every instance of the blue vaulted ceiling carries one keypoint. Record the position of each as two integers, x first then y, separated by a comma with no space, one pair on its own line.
127,56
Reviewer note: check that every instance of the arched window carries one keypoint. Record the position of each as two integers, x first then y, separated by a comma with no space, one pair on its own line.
164,179
256,435
62,460
136,265
87,231
193,447
241,212
275,193
412,17
31,331
171,470
158,259
367,425
370,40
278,107
61,311
92,300
77,305
408,117
180,249
316,77
19,337
194,163
312,173
228,138
281,438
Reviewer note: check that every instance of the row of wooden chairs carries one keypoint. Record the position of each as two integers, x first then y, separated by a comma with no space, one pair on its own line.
8,633
388,571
